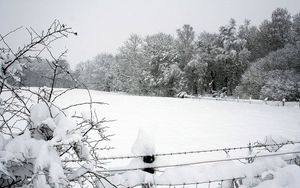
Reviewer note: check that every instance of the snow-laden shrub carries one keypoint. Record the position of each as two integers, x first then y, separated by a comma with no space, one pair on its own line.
280,85
41,146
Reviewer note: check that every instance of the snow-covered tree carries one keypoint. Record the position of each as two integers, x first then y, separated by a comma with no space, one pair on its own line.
194,72
274,76
101,73
275,33
296,27
163,74
38,73
185,44
84,72
281,85
131,64
104,72
233,55
207,51
250,34
280,28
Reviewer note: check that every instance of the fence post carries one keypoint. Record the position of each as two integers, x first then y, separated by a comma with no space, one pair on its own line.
144,146
266,100
148,159
250,150
283,101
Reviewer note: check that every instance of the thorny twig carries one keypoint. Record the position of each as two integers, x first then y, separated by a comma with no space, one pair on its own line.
17,106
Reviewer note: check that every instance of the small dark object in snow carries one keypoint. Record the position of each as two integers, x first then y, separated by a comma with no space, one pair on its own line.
149,170
148,159
182,94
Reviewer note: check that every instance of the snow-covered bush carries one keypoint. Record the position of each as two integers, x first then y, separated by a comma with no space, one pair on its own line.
280,85
41,145
275,76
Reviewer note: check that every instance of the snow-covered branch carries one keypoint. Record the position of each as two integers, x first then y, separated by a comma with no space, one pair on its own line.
41,145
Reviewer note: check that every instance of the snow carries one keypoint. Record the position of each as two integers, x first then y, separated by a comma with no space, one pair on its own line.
82,151
39,113
149,125
50,123
288,177
64,127
86,167
44,157
188,124
86,115
144,144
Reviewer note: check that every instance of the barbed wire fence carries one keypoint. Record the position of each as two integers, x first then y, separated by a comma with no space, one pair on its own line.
237,99
208,182
234,182
226,150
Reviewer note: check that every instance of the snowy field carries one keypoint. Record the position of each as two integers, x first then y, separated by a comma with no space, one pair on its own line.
191,124
188,124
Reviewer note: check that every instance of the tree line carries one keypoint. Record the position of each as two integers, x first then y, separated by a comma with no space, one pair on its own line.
242,60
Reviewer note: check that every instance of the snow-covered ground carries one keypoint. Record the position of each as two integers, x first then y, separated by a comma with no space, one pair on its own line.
188,124
194,124
153,125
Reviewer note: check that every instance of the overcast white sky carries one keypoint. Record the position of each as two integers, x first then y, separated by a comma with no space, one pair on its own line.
103,25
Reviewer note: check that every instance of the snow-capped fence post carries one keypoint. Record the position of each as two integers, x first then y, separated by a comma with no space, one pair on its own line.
266,100
144,146
283,101
148,159
250,150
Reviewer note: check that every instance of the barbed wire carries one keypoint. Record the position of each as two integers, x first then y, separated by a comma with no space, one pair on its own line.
233,180
202,151
201,162
196,183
